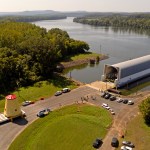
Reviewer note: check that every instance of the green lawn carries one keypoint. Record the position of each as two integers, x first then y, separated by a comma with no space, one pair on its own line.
40,89
135,89
139,133
69,128
86,55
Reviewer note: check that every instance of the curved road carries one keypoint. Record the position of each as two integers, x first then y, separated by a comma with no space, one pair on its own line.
9,131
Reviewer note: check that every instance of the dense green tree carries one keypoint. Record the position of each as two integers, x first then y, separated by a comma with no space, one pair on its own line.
31,18
145,109
139,21
29,53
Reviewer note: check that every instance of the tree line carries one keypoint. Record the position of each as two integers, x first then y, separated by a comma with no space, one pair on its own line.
29,53
31,18
139,21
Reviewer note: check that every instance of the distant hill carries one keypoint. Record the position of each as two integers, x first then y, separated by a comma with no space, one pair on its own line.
30,13
46,13
65,13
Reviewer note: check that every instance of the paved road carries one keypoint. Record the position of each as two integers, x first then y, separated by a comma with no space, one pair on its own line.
10,130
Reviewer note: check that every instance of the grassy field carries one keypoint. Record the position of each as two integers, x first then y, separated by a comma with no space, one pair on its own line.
139,133
72,127
135,89
40,89
82,56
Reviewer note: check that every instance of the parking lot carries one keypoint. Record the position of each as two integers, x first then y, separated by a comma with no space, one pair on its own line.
91,95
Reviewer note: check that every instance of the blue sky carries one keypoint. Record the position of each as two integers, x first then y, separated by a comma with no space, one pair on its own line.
74,5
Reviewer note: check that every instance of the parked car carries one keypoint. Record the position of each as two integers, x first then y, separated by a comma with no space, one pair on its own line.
119,100
107,96
114,142
43,112
65,90
128,143
26,103
103,94
104,105
112,98
107,107
97,143
112,112
126,148
125,101
130,102
58,93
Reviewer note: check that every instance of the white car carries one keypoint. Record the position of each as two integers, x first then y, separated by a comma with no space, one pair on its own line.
112,112
126,148
104,105
107,107
58,93
130,102
119,100
65,90
26,103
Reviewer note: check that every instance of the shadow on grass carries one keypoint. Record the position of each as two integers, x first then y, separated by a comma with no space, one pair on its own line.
2,97
59,81
147,121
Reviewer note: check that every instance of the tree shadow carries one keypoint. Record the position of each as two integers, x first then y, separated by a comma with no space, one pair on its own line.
60,81
147,122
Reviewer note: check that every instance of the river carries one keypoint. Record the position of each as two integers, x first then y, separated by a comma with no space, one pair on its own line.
119,44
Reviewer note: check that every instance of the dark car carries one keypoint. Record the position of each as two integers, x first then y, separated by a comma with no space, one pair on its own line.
103,94
125,101
43,112
107,96
112,98
128,143
114,142
97,143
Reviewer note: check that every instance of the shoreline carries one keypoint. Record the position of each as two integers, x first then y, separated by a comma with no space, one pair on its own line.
74,63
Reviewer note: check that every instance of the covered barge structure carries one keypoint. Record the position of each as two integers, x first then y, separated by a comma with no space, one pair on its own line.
128,71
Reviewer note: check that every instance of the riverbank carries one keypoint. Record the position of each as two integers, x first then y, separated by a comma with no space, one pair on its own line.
81,59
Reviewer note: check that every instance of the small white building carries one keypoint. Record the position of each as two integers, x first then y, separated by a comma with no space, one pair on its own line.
128,71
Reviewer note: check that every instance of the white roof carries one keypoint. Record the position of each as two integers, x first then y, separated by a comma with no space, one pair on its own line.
133,66
133,62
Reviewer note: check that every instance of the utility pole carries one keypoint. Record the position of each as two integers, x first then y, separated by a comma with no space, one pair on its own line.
136,88
70,75
100,49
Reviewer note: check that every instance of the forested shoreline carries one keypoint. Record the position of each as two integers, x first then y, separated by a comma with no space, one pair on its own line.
139,21
29,53
31,18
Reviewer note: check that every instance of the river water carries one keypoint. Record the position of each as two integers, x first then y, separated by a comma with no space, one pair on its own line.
119,44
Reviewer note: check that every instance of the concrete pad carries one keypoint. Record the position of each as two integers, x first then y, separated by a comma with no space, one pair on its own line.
101,86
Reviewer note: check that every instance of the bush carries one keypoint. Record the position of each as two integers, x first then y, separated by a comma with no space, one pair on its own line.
145,110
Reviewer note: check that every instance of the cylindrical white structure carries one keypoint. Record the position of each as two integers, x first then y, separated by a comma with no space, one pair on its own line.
12,108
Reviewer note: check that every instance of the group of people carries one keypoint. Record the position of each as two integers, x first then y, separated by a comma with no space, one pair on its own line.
87,98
